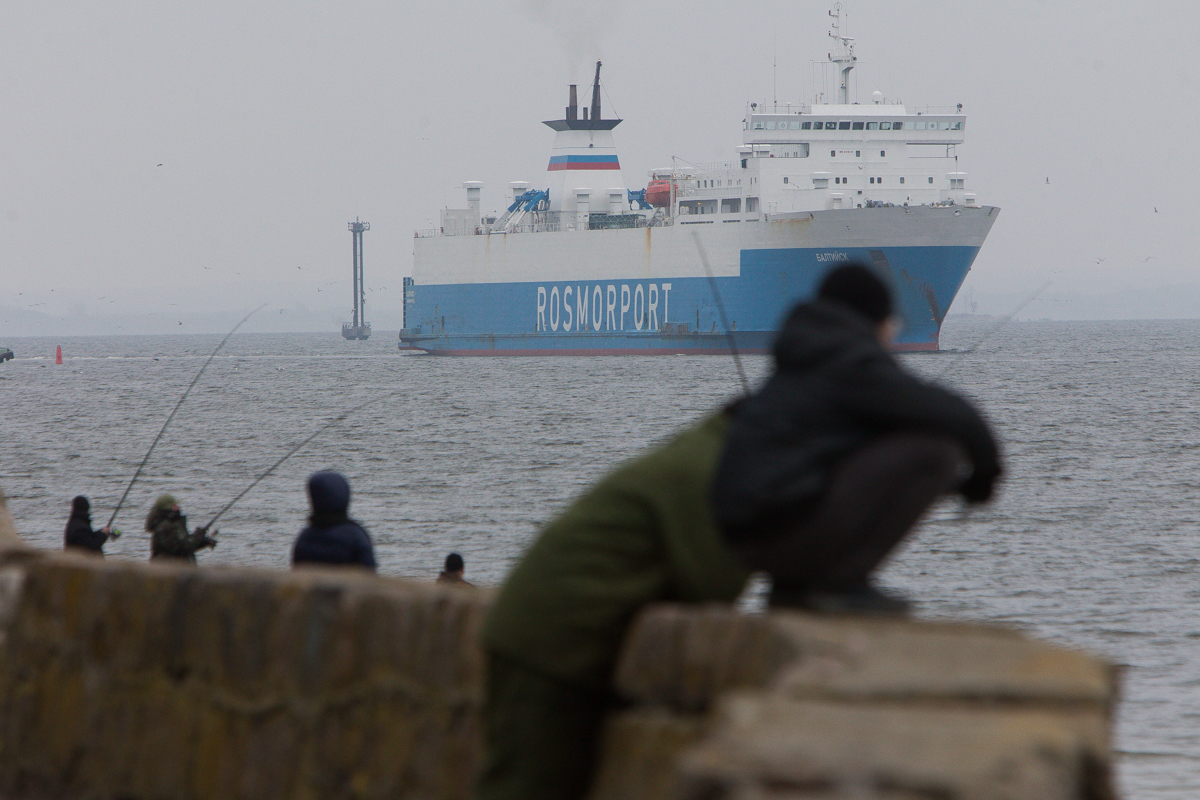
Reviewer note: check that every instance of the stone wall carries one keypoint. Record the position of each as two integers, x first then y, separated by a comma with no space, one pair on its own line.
131,681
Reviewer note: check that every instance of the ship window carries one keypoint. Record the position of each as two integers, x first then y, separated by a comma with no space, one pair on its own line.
771,125
858,153
883,153
956,126
844,125
872,180
885,126
945,126
794,125
872,126
743,163
831,126
805,126
803,150
931,179
858,126
902,180
879,180
758,126
920,125
897,126
833,153
785,178
837,180
751,204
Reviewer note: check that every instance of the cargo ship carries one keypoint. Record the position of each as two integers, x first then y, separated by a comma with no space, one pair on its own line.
705,257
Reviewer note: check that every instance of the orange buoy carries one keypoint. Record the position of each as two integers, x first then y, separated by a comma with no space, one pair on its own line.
58,355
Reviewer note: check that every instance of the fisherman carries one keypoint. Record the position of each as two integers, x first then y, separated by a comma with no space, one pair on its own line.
79,533
814,478
169,533
331,536
453,571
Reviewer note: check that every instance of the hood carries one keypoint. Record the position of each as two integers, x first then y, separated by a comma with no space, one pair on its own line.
80,506
165,502
329,493
821,330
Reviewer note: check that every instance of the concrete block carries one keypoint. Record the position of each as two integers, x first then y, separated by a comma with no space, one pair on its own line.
771,747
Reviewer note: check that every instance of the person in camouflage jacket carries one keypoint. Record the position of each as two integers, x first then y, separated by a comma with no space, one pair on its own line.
169,537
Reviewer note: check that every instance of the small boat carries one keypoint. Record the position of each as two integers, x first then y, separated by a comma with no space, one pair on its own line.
6,355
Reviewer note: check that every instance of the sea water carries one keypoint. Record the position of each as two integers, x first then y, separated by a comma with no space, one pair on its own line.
1093,540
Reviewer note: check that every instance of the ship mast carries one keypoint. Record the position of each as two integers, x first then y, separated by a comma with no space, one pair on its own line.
843,55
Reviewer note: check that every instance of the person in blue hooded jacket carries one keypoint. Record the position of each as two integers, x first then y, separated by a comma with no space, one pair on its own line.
331,536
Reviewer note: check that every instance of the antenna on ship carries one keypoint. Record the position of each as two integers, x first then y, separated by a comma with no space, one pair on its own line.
843,56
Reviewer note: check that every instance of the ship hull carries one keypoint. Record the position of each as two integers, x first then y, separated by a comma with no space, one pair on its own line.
646,291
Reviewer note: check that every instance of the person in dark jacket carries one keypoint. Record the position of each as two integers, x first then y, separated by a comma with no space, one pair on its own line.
169,537
453,571
79,531
332,537
828,466
814,478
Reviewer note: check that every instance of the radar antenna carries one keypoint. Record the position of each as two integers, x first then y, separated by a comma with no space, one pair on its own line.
843,56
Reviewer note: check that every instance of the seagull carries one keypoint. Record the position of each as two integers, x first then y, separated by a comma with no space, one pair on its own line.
1156,209
1047,180
1099,260
1147,258
208,267
158,165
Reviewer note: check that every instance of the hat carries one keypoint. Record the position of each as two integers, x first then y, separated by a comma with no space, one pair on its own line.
165,502
329,493
857,287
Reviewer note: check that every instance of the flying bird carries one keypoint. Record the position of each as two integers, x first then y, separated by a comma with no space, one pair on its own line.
1099,260
1047,179
158,165
1147,258
1156,209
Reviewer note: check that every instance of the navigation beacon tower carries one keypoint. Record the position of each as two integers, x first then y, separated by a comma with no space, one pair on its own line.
358,327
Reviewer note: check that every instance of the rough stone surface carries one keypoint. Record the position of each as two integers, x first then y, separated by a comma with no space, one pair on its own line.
767,745
124,680
133,681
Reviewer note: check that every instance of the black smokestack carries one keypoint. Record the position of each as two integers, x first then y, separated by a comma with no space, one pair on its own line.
572,105
596,94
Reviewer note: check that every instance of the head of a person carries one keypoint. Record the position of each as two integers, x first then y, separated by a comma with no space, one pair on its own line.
166,502
858,288
329,494
80,505
454,564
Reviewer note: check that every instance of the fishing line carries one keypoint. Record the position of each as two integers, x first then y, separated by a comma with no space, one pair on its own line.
188,391
712,282
293,451
992,330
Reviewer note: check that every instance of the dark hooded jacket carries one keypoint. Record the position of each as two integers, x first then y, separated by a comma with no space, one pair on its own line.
79,531
835,388
331,536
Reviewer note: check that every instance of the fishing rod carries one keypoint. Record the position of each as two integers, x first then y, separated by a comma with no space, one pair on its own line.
188,391
712,282
990,332
293,452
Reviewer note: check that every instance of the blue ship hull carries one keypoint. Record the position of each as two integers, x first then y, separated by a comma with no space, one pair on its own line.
676,314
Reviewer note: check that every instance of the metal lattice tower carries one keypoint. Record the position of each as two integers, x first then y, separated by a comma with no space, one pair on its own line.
358,328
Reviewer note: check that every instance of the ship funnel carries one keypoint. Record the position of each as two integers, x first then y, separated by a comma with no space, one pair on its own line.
473,189
572,105
596,94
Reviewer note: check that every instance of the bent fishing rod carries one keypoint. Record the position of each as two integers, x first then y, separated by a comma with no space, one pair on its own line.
293,452
992,331
171,416
712,283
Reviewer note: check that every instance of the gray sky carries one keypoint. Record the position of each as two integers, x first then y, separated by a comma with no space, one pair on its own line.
276,124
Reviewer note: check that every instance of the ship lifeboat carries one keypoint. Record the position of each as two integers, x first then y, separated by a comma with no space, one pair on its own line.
658,193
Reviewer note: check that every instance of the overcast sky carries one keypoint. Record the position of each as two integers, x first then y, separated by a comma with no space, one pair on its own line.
185,160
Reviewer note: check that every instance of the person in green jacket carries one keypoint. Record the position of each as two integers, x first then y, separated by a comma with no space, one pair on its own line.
169,537
813,478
